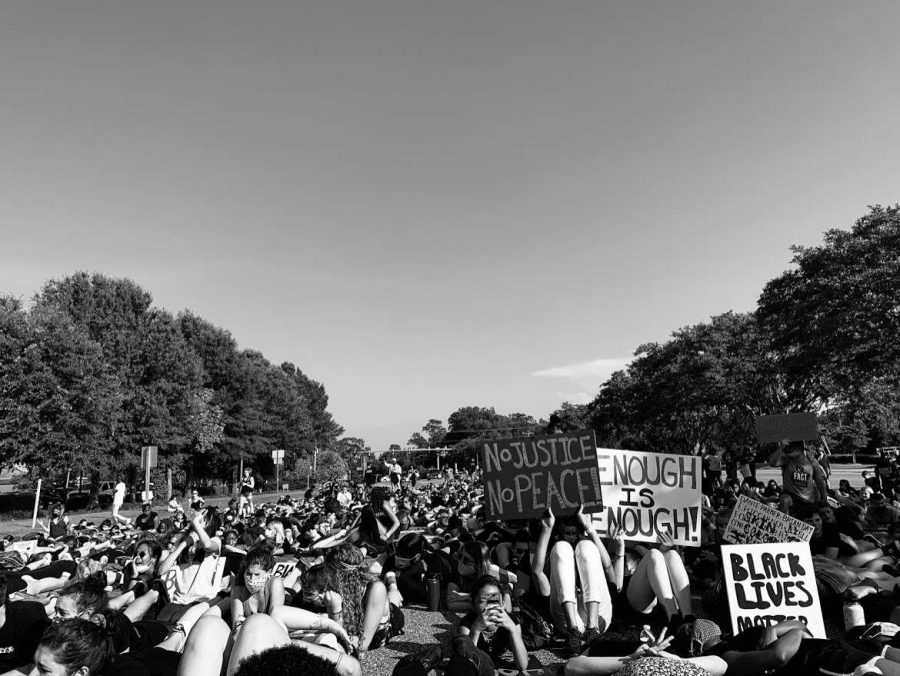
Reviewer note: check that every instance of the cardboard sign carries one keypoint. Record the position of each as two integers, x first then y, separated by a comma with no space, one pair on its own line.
525,475
645,493
771,583
753,523
793,427
23,547
287,571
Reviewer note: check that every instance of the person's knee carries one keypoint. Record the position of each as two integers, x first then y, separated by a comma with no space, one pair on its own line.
654,556
260,624
562,551
209,631
587,551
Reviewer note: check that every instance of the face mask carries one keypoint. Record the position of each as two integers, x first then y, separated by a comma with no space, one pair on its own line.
403,562
466,570
256,583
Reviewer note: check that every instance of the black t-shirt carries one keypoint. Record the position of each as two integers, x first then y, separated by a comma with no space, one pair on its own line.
21,633
159,661
126,665
831,537
495,643
146,521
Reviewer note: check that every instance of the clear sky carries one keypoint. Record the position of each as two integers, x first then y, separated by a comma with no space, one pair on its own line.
428,205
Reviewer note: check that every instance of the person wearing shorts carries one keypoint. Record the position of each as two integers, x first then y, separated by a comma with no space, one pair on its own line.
248,483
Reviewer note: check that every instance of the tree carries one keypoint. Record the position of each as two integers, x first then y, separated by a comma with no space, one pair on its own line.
59,400
435,432
703,387
568,418
834,325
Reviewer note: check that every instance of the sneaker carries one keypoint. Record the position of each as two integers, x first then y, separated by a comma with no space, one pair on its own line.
574,641
591,635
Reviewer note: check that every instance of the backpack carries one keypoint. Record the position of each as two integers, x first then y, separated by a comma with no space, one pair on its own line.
536,631
398,621
11,561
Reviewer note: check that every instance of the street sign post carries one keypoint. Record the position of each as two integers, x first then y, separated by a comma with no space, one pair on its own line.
148,461
278,459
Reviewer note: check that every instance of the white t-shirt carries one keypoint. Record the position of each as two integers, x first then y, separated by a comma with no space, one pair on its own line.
119,497
189,583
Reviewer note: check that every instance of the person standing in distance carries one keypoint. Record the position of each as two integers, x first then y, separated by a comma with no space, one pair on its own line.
248,483
396,472
118,501
802,478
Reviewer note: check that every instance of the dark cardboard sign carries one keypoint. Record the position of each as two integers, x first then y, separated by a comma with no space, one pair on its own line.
525,475
791,426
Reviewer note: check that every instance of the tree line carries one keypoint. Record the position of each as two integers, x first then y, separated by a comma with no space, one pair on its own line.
91,371
824,337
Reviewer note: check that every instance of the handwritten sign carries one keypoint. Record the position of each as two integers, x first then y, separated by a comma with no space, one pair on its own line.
771,583
525,475
646,493
752,523
792,426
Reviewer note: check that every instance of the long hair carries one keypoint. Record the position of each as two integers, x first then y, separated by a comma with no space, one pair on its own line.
259,555
480,553
78,643
89,594
351,581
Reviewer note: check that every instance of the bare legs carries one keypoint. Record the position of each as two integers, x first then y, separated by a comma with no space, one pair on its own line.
660,578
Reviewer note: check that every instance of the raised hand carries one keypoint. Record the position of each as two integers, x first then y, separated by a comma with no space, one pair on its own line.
548,520
665,540
584,519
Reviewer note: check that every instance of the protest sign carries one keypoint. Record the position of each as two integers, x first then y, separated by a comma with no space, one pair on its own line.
525,475
792,427
752,523
23,547
645,493
772,583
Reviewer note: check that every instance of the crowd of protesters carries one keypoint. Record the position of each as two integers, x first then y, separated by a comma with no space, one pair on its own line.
311,584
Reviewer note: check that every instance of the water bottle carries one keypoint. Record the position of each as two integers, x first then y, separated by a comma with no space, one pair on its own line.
854,615
433,586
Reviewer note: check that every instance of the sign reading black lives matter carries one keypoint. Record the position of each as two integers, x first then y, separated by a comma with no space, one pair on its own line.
753,523
646,493
525,475
772,583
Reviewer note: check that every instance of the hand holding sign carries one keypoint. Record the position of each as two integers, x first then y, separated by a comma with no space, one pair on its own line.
666,542
548,520
585,520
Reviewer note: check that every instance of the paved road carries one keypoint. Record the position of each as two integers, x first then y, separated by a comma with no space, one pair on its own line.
853,473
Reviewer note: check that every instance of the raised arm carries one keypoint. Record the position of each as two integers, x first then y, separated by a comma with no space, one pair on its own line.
539,559
776,459
209,544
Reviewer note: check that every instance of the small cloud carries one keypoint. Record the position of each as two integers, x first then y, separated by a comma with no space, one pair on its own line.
575,397
598,369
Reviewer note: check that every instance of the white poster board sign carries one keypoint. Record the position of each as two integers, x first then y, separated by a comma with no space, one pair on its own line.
753,523
646,493
771,583
23,547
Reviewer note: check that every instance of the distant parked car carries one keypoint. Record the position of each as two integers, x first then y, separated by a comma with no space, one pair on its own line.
435,474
